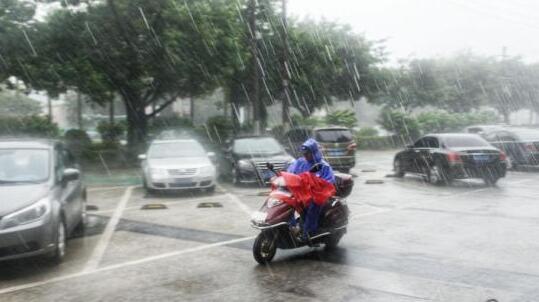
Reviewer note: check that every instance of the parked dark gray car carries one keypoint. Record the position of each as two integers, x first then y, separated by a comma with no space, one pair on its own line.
42,199
520,144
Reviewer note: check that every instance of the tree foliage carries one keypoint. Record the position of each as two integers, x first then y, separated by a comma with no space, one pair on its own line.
461,83
346,118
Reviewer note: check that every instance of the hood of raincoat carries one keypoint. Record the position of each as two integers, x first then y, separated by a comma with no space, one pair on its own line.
301,165
312,145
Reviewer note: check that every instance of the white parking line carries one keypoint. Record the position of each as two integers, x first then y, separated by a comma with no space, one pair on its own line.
125,264
103,243
245,208
94,189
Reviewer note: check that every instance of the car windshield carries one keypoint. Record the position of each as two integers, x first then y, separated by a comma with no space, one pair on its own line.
257,145
464,141
176,150
334,136
24,165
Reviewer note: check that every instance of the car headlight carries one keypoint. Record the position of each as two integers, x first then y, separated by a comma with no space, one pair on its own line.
158,173
244,164
27,215
207,170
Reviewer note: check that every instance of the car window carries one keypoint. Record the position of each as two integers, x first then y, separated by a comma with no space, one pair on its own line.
334,135
420,143
24,165
459,141
256,145
432,142
176,150
68,159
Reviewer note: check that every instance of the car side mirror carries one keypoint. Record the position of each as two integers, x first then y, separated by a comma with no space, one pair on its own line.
70,175
409,146
211,155
142,156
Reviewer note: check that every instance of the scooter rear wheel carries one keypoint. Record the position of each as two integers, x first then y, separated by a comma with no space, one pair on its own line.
264,248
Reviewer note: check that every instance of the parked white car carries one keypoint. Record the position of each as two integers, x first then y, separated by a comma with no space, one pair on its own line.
178,164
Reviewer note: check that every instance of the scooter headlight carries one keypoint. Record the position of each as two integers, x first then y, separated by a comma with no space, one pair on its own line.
259,217
273,202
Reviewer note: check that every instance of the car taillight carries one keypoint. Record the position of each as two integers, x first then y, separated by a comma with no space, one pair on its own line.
453,157
503,156
351,147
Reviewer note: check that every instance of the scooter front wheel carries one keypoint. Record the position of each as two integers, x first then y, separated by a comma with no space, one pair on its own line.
264,248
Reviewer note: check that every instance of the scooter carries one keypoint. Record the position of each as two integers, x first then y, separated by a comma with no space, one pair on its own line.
280,222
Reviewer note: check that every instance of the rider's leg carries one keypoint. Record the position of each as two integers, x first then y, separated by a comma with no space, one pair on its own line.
311,219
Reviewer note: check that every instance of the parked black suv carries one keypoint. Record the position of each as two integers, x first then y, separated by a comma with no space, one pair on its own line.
336,143
441,158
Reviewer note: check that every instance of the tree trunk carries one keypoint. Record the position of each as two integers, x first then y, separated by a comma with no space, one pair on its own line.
79,111
254,85
192,109
49,108
137,122
111,111
285,78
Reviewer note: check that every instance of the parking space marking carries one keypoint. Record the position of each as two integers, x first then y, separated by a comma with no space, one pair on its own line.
245,208
100,248
95,189
124,264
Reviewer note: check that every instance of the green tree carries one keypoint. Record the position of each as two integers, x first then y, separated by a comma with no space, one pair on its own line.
148,52
345,118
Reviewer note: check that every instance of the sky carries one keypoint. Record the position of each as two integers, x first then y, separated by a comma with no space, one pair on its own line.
427,28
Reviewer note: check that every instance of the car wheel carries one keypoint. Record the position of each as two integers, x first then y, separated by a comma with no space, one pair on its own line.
60,243
435,174
397,167
490,179
81,227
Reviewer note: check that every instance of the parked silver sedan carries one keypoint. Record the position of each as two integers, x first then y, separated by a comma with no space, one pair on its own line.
178,164
42,199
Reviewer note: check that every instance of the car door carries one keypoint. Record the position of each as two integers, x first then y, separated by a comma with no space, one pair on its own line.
411,155
425,154
71,191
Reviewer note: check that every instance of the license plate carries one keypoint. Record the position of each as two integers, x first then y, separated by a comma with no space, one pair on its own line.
183,180
481,158
335,153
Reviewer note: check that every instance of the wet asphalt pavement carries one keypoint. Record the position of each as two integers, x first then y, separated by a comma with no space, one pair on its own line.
407,241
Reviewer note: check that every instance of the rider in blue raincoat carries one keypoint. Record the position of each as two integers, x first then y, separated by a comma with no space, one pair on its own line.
311,157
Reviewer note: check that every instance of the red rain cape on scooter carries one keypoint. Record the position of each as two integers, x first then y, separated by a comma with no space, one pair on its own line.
306,188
